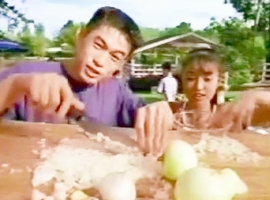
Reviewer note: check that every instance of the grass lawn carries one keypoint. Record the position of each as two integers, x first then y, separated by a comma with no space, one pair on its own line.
150,98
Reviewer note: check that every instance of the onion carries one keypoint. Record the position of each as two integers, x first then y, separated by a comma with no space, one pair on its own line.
179,157
117,186
200,184
234,184
79,195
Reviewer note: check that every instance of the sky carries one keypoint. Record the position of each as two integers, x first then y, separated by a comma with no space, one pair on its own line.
53,14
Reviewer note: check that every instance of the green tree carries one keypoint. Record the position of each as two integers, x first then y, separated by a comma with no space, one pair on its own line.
37,41
244,57
258,12
25,36
182,28
13,16
67,33
40,43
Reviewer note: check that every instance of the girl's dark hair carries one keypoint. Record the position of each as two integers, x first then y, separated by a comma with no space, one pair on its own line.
201,56
116,18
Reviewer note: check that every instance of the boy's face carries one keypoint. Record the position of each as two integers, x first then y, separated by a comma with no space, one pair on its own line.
99,53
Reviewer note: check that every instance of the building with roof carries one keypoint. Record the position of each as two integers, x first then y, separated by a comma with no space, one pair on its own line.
147,59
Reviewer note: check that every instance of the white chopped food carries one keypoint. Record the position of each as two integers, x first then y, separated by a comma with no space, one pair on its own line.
83,167
5,165
79,168
113,146
42,141
60,191
43,174
37,195
226,148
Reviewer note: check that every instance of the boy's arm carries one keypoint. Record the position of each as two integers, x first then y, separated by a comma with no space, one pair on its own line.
129,103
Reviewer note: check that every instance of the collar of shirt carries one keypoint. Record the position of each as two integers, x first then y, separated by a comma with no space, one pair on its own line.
170,74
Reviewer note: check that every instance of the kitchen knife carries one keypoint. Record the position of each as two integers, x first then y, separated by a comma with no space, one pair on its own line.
90,125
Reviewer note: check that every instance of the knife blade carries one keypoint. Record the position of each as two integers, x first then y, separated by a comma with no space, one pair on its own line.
91,125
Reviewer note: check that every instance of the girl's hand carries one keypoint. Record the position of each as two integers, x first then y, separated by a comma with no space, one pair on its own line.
235,116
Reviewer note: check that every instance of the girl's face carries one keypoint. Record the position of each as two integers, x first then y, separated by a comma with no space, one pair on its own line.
100,53
200,81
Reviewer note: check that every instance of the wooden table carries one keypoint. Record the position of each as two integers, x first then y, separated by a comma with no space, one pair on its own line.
17,140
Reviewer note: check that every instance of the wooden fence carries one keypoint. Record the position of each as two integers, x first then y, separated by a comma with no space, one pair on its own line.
141,70
266,72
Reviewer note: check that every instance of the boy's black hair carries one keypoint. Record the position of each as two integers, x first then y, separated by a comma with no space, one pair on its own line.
116,18
167,66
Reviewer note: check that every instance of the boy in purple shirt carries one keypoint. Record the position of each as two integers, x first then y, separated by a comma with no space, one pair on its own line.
40,91
103,47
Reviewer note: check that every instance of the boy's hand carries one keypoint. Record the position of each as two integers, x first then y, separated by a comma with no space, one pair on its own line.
48,91
152,123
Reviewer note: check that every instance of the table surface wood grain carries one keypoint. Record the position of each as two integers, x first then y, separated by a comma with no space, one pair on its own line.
18,140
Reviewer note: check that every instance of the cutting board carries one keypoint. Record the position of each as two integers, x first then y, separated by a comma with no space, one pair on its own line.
18,140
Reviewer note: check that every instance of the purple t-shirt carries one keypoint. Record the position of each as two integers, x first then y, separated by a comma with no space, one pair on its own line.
110,102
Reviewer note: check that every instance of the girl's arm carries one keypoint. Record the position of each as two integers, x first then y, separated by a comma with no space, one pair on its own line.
261,99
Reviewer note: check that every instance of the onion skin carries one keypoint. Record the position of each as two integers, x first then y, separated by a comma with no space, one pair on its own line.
178,158
233,182
200,184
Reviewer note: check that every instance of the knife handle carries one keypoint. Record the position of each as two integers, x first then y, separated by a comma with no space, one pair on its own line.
74,115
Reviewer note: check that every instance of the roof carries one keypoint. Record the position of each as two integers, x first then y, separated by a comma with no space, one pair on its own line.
187,40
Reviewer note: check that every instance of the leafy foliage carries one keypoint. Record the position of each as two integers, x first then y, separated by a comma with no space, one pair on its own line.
243,48
67,33
259,12
243,54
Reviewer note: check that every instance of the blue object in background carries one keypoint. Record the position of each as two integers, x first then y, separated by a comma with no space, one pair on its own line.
8,46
